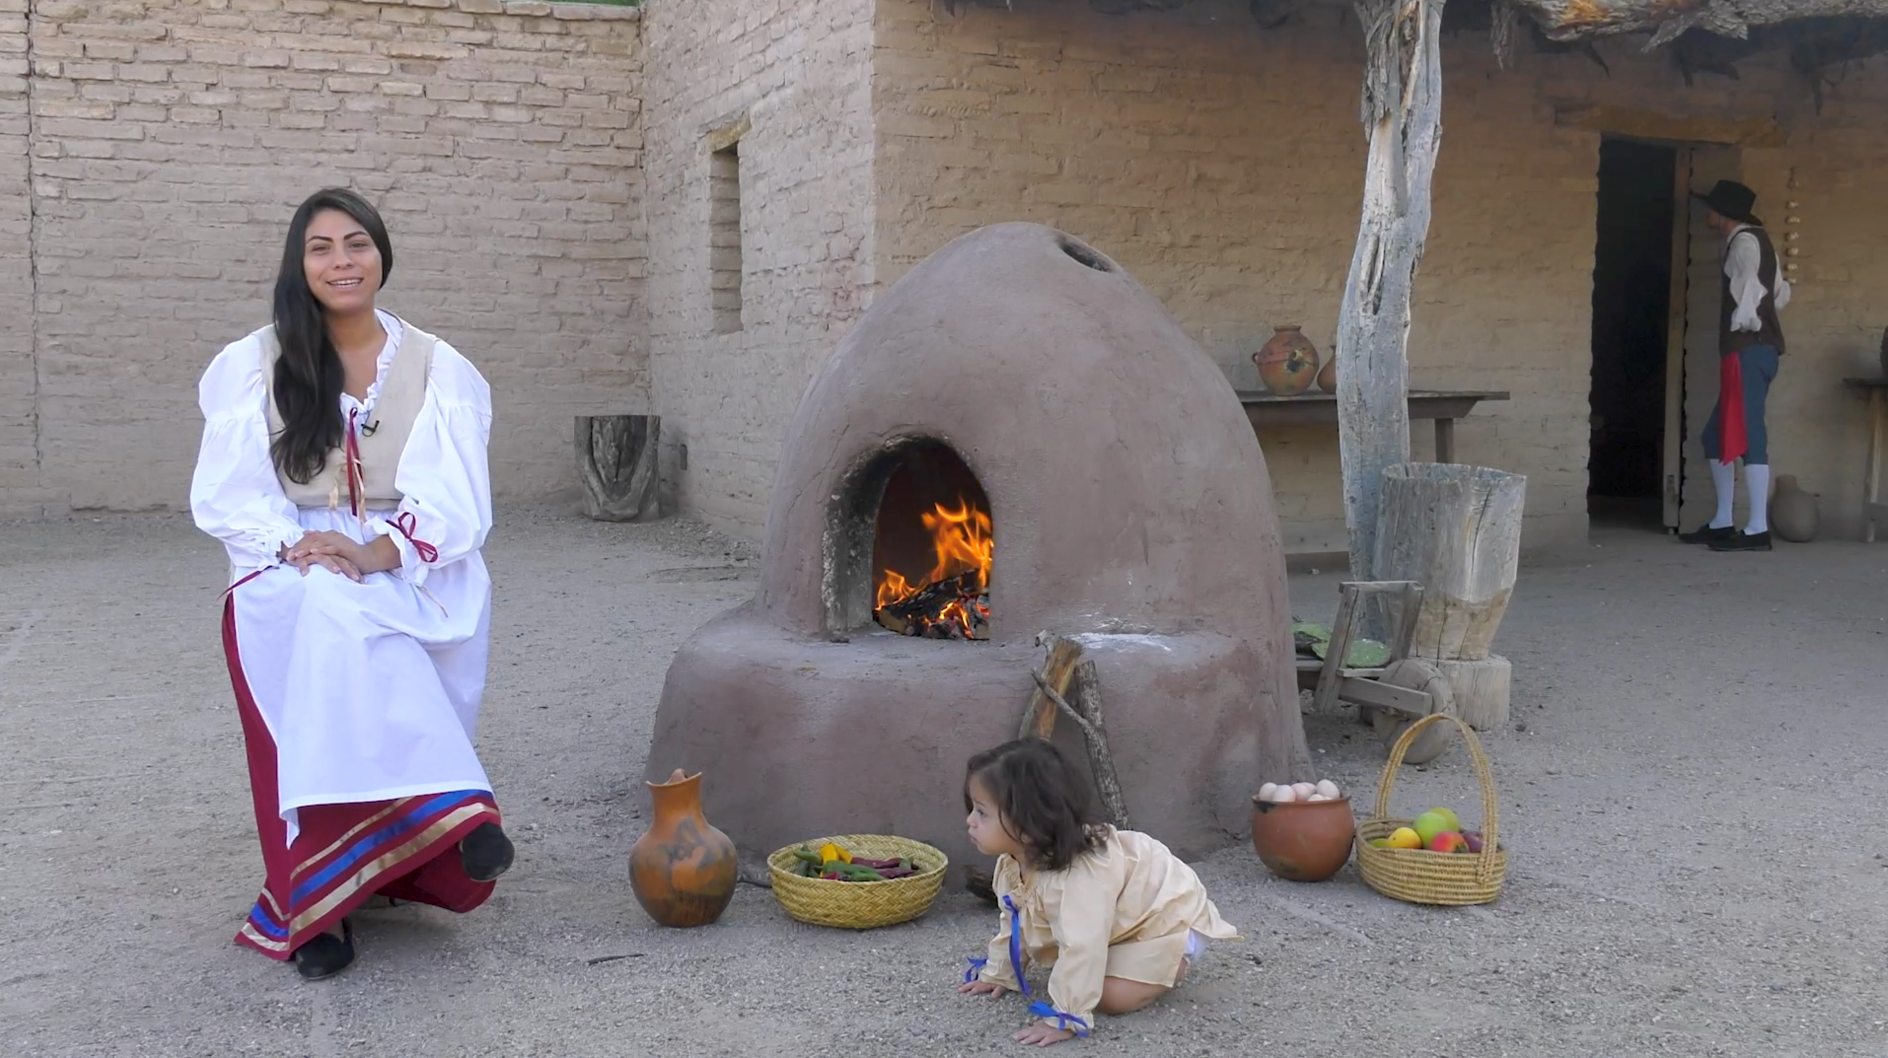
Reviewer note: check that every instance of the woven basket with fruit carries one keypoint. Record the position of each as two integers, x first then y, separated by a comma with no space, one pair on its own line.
1432,859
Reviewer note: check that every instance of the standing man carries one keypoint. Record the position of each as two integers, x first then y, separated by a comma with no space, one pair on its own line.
1750,340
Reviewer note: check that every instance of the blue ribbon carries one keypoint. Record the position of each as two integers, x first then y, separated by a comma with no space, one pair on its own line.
1016,942
1065,1022
976,967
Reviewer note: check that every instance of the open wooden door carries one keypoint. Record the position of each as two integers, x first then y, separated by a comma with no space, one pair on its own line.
1673,443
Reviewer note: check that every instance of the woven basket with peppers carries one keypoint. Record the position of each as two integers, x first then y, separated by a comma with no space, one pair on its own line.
881,879
835,864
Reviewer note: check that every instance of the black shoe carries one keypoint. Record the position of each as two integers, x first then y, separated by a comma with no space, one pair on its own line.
327,954
1704,534
486,853
1744,542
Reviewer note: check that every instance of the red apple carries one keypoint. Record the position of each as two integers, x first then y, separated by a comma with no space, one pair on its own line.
1448,841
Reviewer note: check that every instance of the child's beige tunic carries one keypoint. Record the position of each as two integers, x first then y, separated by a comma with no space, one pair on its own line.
1124,910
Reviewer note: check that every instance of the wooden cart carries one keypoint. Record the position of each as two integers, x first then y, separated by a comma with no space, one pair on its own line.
1390,698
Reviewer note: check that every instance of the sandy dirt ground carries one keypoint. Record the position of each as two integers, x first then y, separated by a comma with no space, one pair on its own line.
1693,792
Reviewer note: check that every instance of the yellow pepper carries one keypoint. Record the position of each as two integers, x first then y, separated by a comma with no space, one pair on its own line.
830,852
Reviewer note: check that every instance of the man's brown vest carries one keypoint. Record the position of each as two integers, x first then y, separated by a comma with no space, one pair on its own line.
402,394
1771,334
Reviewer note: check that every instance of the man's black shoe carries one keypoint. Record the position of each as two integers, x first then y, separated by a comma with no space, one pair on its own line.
1744,542
1704,534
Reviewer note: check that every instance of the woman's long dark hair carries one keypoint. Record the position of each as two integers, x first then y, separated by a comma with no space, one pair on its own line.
1045,804
308,375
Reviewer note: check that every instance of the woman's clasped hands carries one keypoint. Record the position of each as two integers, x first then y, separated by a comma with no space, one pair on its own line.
339,553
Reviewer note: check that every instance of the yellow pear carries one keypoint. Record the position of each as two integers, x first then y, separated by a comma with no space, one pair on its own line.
1405,838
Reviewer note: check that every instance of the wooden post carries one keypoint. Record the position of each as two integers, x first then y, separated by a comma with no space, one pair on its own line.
1087,716
1402,109
616,458
1057,670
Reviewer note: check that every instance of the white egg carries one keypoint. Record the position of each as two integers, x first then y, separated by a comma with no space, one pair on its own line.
1266,791
1316,797
1303,790
1328,789
1284,795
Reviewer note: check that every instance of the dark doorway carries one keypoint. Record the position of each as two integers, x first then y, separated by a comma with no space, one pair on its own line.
1632,306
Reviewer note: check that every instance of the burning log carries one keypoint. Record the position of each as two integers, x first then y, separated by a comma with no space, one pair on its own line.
953,608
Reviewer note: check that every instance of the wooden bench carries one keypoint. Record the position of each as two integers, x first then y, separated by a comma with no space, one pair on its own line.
1444,406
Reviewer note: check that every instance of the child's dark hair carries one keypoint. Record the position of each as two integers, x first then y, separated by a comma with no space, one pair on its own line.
1045,802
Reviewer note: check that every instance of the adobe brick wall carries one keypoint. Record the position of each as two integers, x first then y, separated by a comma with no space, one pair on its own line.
20,484
1222,164
171,141
798,73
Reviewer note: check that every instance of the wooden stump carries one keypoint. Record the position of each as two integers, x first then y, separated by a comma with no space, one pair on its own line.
1456,530
616,457
1481,689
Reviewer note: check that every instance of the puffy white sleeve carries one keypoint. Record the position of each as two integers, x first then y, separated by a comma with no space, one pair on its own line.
444,477
1741,266
234,493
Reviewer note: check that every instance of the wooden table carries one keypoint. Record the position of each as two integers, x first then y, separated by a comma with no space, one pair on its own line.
1443,405
1873,510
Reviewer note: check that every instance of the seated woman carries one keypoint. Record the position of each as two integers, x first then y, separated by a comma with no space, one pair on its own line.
343,466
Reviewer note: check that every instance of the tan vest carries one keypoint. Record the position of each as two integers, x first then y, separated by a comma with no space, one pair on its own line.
402,394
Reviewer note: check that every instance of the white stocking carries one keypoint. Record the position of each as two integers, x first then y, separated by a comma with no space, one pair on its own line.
1757,480
1724,479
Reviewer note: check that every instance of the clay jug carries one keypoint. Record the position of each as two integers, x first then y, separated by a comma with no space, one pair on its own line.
1793,512
682,869
1303,841
1327,376
1288,362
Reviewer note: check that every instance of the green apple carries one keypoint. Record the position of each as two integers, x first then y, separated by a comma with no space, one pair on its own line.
1454,823
1431,823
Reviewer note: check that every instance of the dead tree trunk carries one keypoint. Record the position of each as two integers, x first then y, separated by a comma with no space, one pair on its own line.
1402,108
616,458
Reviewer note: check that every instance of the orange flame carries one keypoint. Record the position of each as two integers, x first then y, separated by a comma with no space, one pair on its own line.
961,538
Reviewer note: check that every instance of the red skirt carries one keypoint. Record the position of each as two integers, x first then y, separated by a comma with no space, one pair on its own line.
406,848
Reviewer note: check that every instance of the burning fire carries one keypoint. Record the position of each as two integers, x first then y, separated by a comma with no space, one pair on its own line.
952,600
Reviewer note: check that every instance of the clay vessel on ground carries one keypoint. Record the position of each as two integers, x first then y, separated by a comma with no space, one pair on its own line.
1793,512
1327,375
682,870
1303,841
1288,362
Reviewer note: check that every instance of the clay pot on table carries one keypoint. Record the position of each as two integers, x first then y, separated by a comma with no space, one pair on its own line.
682,869
1793,512
1288,362
1327,375
1303,841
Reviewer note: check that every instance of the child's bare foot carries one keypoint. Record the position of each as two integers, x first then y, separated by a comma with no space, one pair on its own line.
1042,1034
